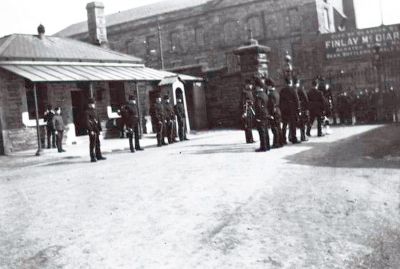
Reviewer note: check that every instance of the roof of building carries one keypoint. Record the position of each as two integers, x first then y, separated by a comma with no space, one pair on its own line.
134,14
21,47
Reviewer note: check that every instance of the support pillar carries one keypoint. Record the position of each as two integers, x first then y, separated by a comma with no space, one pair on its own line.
37,121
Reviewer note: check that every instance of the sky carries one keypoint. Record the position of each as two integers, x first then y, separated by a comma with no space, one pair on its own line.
23,16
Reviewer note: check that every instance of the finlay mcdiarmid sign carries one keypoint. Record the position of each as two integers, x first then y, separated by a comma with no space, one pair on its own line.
362,42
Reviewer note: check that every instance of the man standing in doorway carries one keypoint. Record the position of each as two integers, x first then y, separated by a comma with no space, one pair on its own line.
93,126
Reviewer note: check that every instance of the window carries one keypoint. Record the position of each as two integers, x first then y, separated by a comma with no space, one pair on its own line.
254,25
117,94
327,22
41,91
294,18
199,36
231,33
174,42
151,45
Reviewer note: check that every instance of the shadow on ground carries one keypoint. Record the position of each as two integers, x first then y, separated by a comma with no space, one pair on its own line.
379,148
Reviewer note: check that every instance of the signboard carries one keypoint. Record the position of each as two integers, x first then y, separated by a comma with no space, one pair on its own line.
362,42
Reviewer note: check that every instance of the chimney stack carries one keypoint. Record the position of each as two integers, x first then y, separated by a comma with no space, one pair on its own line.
349,11
97,24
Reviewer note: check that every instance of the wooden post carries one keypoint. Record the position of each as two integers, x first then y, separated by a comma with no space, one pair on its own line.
37,121
138,108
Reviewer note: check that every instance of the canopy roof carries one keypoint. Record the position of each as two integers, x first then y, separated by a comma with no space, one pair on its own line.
54,59
69,72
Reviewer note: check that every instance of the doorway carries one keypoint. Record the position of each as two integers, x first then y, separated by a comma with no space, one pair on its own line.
80,99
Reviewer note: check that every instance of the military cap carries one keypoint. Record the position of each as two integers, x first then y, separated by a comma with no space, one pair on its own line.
91,101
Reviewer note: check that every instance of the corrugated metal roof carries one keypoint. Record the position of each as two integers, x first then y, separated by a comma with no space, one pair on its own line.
33,48
134,14
68,72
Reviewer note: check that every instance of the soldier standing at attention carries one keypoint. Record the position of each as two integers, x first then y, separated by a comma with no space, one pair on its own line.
51,135
94,128
181,115
262,116
316,106
275,114
58,124
130,118
159,121
248,111
170,120
304,113
290,107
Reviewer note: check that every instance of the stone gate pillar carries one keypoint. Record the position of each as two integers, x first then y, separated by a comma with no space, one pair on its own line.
254,60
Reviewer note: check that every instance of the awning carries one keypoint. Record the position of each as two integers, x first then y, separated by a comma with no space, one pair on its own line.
77,71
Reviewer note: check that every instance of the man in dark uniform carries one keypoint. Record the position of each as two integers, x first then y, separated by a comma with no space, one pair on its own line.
93,126
247,108
262,116
158,118
304,112
316,106
170,120
275,113
181,116
50,131
130,117
290,108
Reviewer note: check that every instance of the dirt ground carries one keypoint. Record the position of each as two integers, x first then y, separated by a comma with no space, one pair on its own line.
211,202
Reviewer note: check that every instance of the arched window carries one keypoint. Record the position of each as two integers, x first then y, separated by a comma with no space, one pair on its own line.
231,33
254,24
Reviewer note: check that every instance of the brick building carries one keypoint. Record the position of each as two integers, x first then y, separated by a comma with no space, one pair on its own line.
36,70
200,37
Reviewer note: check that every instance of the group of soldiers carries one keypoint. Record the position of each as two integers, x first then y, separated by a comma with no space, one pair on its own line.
165,117
285,111
367,106
168,121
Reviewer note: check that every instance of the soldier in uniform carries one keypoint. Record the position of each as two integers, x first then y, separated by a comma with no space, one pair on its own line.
170,131
247,108
275,114
262,116
94,128
130,117
316,106
304,112
181,116
290,108
158,118
50,131
58,124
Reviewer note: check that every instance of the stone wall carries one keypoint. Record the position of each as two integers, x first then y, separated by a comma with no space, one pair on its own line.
223,97
15,135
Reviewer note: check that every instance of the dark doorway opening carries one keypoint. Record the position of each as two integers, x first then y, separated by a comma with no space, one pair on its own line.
80,100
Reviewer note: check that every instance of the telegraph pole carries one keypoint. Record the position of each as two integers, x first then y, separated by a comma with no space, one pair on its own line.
160,44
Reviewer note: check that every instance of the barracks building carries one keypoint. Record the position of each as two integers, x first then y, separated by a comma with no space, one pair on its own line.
200,38
220,43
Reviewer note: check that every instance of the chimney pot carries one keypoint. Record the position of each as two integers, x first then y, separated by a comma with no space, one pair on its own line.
41,31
